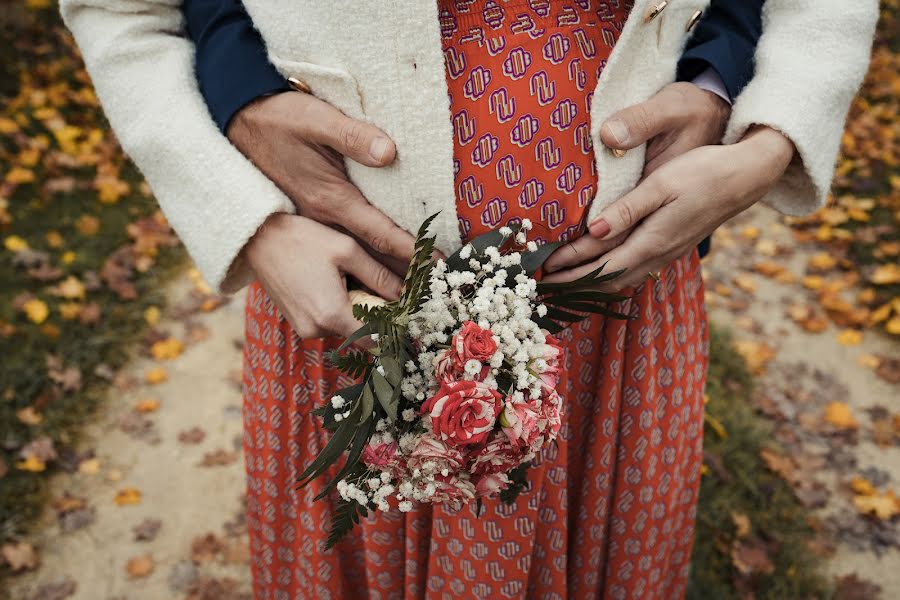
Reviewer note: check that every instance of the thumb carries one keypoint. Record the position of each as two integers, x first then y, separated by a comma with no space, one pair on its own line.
627,211
633,126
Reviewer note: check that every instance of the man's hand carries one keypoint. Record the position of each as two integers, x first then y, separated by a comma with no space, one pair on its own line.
298,141
682,202
679,118
302,265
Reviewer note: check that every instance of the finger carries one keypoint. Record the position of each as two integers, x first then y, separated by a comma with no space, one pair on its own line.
627,211
633,126
372,274
324,124
376,229
584,249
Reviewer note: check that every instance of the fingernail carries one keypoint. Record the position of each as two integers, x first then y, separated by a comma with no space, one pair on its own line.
619,130
379,149
599,228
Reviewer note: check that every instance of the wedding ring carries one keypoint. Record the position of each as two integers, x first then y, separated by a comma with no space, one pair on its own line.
617,152
299,85
654,276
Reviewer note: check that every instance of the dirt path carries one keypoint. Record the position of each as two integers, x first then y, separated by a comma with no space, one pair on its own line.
199,547
89,546
834,415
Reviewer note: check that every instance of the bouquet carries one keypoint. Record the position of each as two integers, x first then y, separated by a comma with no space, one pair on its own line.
458,393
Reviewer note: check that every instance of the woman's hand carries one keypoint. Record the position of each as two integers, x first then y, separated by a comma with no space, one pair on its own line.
302,266
675,207
298,141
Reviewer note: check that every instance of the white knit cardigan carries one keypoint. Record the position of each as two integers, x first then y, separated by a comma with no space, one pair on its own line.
382,62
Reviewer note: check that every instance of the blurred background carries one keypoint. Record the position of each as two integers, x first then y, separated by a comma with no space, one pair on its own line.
120,421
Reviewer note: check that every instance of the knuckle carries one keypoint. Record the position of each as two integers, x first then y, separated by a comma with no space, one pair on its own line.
352,135
329,320
625,214
380,242
343,247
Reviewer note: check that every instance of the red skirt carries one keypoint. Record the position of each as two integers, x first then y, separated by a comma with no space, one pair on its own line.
610,509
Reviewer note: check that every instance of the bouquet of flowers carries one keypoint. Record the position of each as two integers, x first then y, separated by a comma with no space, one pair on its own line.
458,393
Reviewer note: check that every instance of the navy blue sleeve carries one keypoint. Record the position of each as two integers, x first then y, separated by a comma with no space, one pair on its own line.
724,39
232,67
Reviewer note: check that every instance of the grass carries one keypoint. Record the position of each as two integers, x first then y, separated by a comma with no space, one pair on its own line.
52,128
743,485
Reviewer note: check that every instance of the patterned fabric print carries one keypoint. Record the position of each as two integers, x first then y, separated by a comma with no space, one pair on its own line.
610,509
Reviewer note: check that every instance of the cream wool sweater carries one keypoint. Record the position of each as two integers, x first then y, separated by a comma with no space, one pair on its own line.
382,62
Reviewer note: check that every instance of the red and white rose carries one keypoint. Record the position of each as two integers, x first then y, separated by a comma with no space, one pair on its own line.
463,413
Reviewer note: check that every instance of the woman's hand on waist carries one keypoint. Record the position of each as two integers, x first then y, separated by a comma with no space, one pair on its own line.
303,265
299,142
675,207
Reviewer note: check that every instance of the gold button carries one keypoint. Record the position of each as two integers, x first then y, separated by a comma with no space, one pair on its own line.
695,18
299,85
654,12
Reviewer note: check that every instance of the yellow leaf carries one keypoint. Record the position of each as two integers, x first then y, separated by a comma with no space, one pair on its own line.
36,310
822,261
756,354
110,188
156,375
147,405
840,415
87,225
8,126
880,314
18,175
868,361
745,282
29,157
883,506
70,288
32,464
70,310
54,239
151,315
68,257
127,496
14,243
90,466
862,486
167,349
849,337
750,232
813,282
29,416
886,274
67,137
139,566
893,326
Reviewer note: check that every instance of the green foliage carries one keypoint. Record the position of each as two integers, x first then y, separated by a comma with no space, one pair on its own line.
750,489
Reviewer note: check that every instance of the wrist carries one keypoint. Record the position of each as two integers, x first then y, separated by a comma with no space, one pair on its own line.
771,146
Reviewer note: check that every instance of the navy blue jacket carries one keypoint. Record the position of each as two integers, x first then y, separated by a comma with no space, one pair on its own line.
232,68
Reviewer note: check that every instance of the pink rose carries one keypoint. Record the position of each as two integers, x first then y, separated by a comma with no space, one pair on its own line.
380,456
549,367
452,488
474,342
497,456
551,415
447,367
521,422
432,455
464,412
492,483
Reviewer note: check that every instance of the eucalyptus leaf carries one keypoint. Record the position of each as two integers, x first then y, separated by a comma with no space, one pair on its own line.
392,370
384,392
367,402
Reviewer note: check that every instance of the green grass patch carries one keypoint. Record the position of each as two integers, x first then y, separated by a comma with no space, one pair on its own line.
67,197
741,484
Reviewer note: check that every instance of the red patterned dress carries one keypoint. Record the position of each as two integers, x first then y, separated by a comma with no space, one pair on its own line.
610,511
